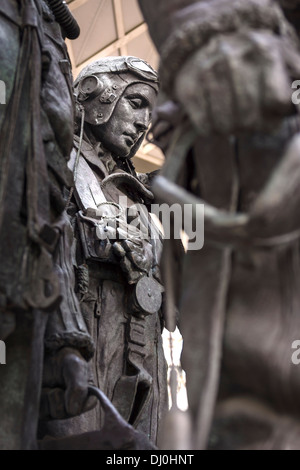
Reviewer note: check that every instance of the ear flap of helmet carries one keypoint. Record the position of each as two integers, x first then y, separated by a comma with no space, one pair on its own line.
89,87
98,96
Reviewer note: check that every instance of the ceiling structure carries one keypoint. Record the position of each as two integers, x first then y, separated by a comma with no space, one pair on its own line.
112,28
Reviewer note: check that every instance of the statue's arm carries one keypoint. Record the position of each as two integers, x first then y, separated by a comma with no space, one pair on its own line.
67,327
68,344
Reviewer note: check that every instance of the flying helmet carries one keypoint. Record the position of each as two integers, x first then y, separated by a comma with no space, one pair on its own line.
100,85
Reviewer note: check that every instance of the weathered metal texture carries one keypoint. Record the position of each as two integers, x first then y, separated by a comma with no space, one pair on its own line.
34,130
119,286
36,138
20,380
116,433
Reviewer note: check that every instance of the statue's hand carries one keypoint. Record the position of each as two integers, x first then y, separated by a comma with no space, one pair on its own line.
135,257
65,385
166,117
239,82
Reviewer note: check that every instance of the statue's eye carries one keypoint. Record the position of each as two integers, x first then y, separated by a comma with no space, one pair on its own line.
136,103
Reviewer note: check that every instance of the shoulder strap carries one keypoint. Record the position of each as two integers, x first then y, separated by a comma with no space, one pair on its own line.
88,192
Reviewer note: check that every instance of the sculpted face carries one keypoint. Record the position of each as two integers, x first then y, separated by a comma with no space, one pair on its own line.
129,121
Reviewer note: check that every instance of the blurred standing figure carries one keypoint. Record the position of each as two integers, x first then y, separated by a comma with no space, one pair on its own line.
228,66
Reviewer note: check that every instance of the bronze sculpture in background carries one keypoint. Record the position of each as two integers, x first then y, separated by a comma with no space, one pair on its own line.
227,66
